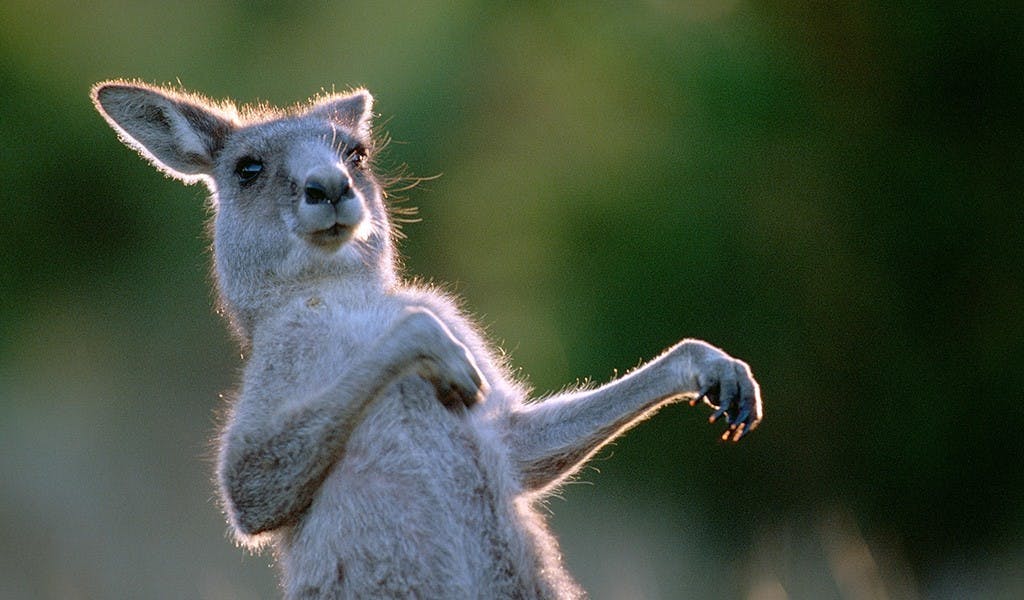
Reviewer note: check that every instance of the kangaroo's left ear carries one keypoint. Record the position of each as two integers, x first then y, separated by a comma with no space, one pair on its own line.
354,109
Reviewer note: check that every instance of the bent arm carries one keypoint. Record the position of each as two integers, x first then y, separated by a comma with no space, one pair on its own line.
552,439
270,472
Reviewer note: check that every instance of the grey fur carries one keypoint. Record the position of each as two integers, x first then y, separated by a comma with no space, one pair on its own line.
377,443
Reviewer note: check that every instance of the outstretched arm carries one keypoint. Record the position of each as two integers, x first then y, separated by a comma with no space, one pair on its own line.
269,471
550,440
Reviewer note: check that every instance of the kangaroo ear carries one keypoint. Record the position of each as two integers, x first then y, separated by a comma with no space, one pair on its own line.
178,133
354,109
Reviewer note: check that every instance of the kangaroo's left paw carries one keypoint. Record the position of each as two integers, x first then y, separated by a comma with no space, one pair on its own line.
728,386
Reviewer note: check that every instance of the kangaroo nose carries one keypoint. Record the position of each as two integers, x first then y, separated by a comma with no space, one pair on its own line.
328,186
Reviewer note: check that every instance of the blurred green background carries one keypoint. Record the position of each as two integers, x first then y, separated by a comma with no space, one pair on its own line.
830,191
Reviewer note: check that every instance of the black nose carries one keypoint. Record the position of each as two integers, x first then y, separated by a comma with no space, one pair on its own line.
329,189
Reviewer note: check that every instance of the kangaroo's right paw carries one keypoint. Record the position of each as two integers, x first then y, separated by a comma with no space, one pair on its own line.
455,376
447,363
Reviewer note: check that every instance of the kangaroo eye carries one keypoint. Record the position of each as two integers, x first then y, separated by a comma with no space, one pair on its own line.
357,155
248,169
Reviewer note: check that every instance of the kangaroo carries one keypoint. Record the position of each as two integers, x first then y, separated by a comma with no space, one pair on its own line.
377,442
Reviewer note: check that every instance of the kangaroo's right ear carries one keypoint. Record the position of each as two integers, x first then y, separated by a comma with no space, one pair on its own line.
178,133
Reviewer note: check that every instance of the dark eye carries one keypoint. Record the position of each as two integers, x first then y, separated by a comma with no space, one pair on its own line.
248,169
357,155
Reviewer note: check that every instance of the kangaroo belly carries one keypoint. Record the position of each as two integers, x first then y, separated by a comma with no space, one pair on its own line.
414,508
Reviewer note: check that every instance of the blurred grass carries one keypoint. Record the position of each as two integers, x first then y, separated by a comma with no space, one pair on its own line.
831,192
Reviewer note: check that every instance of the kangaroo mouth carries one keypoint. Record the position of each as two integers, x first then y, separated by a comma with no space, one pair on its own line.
331,237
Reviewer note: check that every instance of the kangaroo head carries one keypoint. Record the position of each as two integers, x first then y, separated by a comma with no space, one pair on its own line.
296,203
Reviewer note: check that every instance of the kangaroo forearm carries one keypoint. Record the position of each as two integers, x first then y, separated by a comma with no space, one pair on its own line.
551,439
554,438
272,480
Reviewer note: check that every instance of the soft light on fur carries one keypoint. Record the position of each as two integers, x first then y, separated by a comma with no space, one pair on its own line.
377,442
